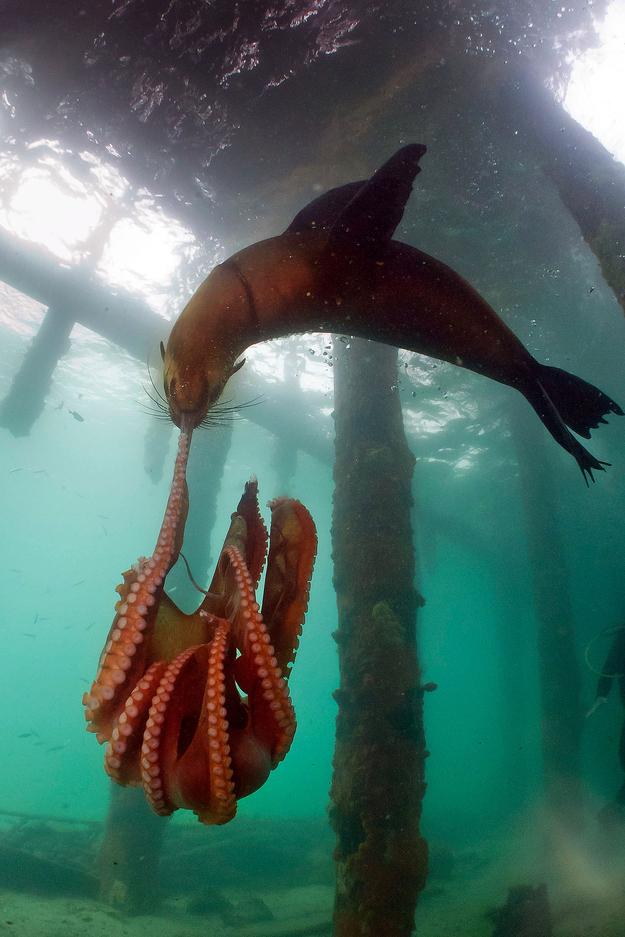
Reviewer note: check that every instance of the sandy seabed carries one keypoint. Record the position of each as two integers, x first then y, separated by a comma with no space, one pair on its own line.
457,911
295,912
585,878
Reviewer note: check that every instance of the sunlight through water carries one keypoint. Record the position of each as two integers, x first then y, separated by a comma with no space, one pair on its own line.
594,96
131,242
144,252
58,215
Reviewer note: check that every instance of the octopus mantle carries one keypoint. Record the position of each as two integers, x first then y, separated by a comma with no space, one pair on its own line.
196,708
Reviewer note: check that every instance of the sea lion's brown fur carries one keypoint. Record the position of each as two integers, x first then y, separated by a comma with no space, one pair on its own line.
336,269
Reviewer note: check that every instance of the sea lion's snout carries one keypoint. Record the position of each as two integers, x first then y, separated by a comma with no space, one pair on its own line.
192,384
189,398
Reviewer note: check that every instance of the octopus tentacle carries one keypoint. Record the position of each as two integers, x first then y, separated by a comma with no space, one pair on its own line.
223,804
121,758
256,532
124,656
185,758
257,671
292,551
152,775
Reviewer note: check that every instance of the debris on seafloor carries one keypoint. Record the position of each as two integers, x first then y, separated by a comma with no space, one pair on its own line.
526,913
314,925
22,870
208,900
248,910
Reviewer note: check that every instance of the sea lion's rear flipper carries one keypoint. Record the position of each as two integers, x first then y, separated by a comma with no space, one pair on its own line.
562,400
371,216
581,405
368,211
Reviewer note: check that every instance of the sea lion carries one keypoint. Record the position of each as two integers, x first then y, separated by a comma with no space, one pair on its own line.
337,269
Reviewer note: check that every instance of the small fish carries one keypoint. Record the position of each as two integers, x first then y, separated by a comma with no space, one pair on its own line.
29,634
77,416
24,735
59,406
36,618
79,583
57,748
13,471
40,472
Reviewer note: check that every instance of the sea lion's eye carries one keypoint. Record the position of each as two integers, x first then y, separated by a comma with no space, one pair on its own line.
162,347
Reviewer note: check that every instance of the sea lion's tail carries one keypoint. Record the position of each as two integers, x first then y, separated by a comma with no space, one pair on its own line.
562,400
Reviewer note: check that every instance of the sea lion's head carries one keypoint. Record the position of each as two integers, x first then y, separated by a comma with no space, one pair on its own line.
193,383
207,338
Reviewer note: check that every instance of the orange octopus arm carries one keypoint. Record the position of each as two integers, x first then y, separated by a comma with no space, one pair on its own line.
292,550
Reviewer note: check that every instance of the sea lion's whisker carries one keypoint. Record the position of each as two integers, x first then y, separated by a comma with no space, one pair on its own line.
157,403
208,421
157,414
252,402
151,409
222,414
156,390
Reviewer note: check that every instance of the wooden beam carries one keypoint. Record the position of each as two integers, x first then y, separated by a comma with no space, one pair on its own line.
114,314
589,180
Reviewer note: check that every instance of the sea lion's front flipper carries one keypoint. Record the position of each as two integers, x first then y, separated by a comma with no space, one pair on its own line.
367,211
322,213
371,216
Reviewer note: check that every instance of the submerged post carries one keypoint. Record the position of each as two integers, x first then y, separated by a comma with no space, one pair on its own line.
560,677
130,852
378,784
27,395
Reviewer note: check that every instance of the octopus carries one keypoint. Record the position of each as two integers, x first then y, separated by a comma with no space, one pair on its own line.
195,708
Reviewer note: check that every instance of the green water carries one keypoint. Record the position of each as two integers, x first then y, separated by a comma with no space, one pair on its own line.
79,508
